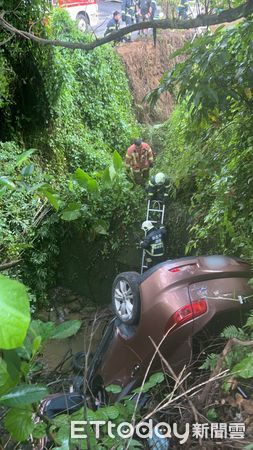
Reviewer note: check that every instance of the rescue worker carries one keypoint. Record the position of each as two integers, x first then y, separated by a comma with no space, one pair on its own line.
113,24
128,13
158,187
152,10
147,9
153,243
182,10
139,159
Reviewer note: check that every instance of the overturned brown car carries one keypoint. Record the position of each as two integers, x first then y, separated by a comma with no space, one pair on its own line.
162,309
165,307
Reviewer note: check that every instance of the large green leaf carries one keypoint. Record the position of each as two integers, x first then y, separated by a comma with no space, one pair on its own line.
36,345
39,430
13,363
85,180
66,329
112,172
3,372
72,211
155,379
82,177
112,411
92,185
101,227
61,423
53,199
43,329
24,394
5,181
24,156
244,368
6,381
49,330
114,388
14,313
19,423
117,161
27,171
106,179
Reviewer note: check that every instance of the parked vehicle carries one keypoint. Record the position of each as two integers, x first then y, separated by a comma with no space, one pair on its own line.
84,12
166,307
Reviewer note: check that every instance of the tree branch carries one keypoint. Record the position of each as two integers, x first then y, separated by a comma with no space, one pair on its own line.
8,265
229,15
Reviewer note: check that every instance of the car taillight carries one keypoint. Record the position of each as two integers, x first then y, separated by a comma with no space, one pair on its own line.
181,268
186,313
175,269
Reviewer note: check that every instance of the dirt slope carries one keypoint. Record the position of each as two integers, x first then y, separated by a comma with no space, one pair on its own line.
145,64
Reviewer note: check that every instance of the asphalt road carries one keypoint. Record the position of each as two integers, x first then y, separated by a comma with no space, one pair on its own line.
105,10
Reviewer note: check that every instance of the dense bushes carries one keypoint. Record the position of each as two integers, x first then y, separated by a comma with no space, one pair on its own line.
212,173
208,142
73,109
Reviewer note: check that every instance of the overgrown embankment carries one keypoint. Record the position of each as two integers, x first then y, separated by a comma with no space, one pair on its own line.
71,110
145,65
206,145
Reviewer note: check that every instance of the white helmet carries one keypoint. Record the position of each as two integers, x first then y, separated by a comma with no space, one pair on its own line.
160,178
147,225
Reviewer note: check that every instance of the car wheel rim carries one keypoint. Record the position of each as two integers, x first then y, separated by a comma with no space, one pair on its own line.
82,25
124,300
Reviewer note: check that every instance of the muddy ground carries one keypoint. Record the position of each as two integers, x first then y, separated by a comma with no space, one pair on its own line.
56,354
145,64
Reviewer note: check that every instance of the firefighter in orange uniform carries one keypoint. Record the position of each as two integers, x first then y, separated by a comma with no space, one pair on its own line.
139,159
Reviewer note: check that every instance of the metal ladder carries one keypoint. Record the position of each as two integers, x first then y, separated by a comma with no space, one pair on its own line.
154,207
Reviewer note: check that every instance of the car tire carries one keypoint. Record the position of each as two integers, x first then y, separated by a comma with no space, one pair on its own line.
126,297
83,22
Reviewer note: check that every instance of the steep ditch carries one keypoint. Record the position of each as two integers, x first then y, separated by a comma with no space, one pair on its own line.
145,64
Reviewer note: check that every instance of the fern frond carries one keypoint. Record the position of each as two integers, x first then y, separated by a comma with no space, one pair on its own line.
210,362
231,331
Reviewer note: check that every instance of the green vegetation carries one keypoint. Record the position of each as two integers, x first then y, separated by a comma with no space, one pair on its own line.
66,120
72,111
21,341
19,368
207,143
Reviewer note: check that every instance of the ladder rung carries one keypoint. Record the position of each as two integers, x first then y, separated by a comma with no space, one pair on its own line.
157,210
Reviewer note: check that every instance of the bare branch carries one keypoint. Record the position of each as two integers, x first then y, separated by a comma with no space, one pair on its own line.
181,387
229,15
168,400
10,264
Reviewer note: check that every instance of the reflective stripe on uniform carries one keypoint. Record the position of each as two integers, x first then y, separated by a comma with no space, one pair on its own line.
154,254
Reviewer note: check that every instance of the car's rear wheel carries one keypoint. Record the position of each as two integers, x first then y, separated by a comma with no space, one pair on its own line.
82,21
126,297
